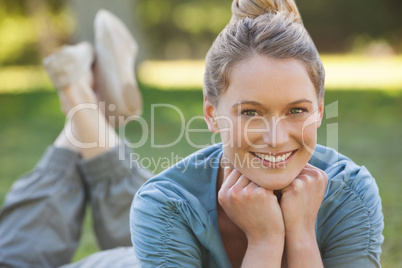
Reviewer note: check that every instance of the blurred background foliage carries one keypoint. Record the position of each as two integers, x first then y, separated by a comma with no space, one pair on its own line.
31,29
186,28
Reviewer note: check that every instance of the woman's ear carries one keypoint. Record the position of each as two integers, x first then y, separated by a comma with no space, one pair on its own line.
320,112
209,116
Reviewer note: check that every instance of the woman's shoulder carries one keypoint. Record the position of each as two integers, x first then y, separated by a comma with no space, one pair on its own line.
327,158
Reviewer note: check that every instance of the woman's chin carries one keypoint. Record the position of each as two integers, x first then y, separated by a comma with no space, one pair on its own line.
272,181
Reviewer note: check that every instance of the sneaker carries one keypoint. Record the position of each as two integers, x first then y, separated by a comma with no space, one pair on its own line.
115,82
69,64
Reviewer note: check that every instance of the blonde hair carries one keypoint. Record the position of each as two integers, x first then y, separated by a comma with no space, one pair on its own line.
260,27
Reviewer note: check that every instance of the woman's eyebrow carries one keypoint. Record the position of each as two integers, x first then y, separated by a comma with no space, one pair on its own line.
256,103
300,101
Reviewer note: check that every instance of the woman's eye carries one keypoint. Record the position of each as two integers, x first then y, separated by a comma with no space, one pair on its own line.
250,113
297,111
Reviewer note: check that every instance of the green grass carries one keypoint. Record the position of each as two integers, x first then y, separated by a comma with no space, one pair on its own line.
369,123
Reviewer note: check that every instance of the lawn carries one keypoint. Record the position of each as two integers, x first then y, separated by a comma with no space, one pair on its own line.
369,131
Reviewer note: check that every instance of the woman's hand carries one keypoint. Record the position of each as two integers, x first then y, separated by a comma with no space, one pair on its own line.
300,203
302,199
256,211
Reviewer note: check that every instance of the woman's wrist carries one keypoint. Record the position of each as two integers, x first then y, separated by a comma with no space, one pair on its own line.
264,250
302,249
300,237
261,240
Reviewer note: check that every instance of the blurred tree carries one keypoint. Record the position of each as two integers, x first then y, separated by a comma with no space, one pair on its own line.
186,28
173,29
31,29
180,28
335,25
84,13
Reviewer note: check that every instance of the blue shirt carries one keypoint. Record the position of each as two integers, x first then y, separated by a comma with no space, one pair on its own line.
174,221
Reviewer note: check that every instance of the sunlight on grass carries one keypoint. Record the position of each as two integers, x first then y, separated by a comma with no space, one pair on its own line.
172,74
20,79
359,72
343,72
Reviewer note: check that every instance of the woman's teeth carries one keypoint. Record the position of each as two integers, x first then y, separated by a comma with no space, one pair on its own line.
273,159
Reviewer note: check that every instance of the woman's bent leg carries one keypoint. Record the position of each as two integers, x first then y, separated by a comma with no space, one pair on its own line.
112,178
40,223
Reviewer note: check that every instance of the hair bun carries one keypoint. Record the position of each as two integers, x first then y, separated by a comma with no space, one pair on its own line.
253,8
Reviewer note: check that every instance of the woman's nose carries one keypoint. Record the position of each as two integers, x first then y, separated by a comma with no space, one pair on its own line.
277,134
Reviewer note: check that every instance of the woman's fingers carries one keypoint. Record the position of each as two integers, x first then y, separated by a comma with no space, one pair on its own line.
312,170
230,177
226,172
242,182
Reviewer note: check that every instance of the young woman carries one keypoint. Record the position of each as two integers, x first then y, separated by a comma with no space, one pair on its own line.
268,196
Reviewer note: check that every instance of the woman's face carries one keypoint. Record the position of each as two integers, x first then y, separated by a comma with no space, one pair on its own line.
268,119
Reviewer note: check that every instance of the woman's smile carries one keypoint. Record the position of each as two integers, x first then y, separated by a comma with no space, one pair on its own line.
274,160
